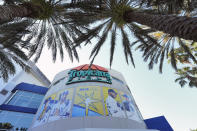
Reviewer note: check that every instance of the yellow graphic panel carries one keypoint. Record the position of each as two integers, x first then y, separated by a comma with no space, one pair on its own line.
113,104
88,102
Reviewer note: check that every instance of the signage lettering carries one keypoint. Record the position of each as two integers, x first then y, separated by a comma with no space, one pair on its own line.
86,75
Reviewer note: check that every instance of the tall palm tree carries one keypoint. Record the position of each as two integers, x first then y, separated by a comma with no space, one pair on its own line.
51,23
118,16
32,25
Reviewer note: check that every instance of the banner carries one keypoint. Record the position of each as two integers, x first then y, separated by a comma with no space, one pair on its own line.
88,102
129,107
55,107
112,102
62,105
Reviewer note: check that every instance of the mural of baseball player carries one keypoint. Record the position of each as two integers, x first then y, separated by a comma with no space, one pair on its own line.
129,107
88,102
61,109
44,112
113,103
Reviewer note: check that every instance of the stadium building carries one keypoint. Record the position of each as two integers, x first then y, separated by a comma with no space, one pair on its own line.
92,99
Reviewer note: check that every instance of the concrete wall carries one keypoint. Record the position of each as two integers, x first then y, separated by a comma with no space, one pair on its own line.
28,77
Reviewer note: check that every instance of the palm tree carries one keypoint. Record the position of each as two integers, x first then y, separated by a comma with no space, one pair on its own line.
51,23
187,72
187,75
169,6
36,23
169,45
52,20
9,56
20,29
118,16
10,53
182,58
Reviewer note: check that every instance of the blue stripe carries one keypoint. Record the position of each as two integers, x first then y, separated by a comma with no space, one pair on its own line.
160,123
18,109
75,105
31,88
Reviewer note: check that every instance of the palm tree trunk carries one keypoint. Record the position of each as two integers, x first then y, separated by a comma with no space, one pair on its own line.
10,12
181,26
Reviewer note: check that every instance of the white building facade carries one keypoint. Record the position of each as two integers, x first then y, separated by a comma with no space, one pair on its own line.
21,96
88,99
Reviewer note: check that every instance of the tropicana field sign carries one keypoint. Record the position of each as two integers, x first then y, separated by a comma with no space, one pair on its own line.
84,74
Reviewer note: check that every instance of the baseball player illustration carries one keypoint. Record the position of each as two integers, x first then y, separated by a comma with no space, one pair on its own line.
61,109
114,108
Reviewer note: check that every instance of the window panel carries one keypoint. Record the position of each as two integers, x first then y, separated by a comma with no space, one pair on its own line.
17,119
26,99
27,94
22,102
34,104
38,97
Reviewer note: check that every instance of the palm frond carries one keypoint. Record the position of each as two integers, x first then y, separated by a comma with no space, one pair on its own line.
173,60
187,50
10,55
126,45
100,42
113,43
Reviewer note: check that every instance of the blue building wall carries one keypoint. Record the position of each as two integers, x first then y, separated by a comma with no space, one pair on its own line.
22,105
160,123
31,88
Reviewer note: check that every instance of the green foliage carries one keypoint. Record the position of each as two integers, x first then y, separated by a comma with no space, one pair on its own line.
118,11
182,58
170,6
43,9
10,51
65,26
187,71
50,24
112,23
155,50
6,126
193,130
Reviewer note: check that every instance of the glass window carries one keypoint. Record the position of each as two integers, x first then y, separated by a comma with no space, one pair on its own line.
17,119
34,103
24,102
26,99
